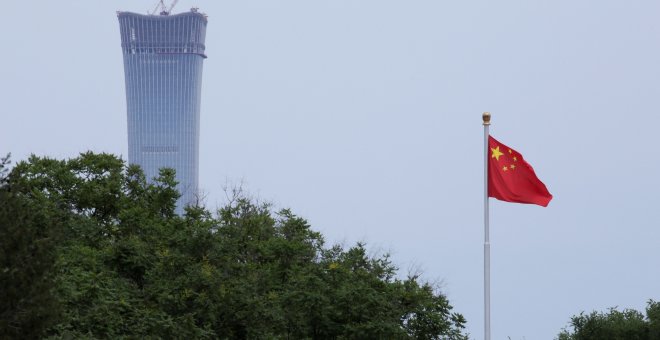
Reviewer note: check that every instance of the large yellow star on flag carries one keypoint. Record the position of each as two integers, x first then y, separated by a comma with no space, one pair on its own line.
496,153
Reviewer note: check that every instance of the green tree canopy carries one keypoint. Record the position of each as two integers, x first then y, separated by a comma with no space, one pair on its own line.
92,250
628,324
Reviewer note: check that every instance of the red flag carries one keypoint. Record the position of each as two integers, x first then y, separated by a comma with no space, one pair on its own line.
512,179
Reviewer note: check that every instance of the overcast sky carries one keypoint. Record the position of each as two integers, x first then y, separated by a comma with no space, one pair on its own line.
364,116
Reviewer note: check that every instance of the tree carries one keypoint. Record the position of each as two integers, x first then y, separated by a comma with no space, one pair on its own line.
125,265
628,324
29,231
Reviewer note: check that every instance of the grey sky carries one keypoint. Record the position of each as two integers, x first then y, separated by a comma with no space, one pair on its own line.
365,117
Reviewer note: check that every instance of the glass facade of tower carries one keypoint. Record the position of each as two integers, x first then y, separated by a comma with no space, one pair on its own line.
163,57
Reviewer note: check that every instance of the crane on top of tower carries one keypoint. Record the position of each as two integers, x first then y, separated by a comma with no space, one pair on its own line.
164,10
169,10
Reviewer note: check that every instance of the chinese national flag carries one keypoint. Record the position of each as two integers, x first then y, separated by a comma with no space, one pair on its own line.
511,179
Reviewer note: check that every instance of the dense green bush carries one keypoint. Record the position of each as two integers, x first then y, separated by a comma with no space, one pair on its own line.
628,324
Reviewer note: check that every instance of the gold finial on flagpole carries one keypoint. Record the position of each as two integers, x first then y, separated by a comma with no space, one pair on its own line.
486,117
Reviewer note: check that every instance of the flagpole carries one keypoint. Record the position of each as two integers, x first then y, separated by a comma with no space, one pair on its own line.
486,122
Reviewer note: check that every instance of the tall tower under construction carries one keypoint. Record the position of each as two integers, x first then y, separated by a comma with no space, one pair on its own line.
163,58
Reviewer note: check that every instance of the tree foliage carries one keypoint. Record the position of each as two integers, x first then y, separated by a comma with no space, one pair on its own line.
28,233
628,324
90,249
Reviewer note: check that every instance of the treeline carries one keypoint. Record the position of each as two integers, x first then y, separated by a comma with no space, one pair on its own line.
628,324
90,249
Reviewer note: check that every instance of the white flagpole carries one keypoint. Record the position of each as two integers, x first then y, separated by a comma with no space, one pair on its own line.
486,122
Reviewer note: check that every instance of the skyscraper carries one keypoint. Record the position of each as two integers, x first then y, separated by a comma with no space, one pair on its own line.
163,57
